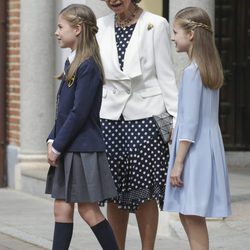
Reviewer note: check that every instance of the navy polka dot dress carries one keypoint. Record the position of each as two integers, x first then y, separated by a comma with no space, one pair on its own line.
136,153
123,36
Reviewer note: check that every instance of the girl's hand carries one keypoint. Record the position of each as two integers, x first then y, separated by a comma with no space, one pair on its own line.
52,157
175,177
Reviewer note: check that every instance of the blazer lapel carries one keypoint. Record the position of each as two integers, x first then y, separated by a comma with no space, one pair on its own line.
109,53
132,66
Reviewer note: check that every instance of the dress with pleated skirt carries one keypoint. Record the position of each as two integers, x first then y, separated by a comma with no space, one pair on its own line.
205,191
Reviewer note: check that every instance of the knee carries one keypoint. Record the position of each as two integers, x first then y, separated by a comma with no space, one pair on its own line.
192,219
90,213
63,212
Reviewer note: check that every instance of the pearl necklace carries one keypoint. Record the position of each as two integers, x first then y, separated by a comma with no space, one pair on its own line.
123,23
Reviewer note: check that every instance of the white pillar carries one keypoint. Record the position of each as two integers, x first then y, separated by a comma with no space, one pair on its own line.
176,5
37,74
99,7
36,83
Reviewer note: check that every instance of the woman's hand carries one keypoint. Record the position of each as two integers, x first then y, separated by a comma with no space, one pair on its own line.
175,177
171,136
52,157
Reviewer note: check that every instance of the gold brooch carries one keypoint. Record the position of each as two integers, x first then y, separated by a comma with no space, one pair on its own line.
71,81
150,26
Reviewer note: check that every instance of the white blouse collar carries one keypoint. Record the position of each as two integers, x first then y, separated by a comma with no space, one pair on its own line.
71,56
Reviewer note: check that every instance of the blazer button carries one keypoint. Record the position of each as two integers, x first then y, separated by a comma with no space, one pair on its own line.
114,91
128,91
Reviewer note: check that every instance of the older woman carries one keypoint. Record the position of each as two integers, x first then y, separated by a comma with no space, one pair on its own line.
140,83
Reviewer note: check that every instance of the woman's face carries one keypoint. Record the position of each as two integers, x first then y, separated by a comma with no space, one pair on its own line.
119,6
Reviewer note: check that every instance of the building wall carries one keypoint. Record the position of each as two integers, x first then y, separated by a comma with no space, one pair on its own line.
153,6
13,73
13,89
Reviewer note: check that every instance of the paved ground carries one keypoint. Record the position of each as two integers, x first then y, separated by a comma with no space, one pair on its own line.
10,243
29,222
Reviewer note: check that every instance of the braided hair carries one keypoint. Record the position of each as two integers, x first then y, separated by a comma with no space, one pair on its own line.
87,46
204,51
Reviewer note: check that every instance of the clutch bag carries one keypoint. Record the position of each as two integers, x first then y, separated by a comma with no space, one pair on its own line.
164,122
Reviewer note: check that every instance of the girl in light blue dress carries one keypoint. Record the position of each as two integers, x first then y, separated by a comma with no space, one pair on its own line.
197,183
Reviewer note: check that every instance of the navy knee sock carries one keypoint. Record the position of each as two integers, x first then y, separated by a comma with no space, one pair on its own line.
105,235
62,236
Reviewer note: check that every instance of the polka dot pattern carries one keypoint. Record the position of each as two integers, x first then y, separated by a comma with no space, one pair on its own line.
123,36
138,161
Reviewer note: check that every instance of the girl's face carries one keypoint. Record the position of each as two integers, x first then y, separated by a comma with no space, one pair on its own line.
182,38
67,35
119,6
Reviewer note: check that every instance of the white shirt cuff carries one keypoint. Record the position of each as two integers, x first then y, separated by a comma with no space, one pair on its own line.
50,141
187,140
55,151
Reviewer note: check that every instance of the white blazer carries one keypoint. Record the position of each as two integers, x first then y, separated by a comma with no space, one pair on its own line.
147,84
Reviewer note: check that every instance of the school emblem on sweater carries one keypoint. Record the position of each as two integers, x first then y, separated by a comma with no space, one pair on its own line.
71,81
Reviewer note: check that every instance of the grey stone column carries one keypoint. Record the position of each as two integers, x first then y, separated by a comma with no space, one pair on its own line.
37,86
176,5
99,7
37,74
181,59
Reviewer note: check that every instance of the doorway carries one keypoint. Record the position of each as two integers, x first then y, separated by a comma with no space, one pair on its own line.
3,33
232,23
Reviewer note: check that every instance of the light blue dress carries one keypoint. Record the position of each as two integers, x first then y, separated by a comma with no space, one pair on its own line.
206,187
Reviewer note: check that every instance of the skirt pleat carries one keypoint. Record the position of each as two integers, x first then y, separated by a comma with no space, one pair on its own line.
81,177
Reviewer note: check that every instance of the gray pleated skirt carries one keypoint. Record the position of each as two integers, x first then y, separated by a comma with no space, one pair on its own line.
81,177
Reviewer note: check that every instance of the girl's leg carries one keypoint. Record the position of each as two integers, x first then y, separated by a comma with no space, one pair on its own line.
147,219
93,216
184,224
63,213
196,229
118,219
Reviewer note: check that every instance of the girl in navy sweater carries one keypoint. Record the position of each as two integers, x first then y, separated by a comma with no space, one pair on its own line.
79,171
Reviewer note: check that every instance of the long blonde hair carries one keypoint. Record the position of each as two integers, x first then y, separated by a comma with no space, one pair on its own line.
204,51
87,46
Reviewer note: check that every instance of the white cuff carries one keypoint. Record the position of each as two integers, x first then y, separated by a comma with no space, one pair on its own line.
55,151
187,140
50,141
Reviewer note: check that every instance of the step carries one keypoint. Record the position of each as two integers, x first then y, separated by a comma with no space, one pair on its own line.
33,179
